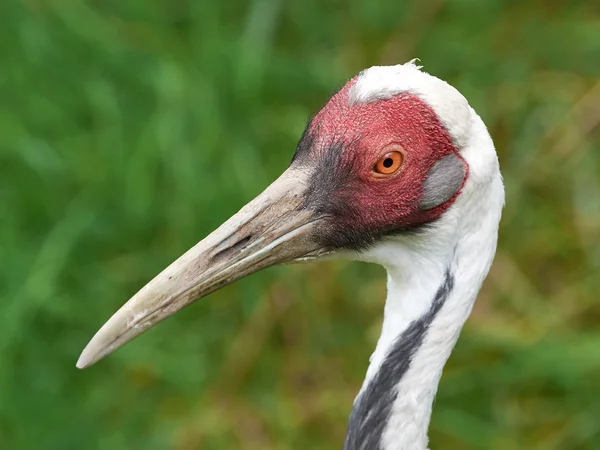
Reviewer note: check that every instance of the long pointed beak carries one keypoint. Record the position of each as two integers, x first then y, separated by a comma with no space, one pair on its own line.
273,228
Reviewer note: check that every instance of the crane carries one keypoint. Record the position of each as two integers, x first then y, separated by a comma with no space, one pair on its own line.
396,169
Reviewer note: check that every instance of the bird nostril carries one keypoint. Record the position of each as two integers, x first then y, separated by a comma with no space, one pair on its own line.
233,248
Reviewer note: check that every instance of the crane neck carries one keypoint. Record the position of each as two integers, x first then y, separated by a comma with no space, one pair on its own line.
432,283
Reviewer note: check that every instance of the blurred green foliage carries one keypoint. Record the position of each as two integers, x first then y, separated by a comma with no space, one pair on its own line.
130,129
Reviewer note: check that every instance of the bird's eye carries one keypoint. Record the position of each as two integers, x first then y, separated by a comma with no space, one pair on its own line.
388,163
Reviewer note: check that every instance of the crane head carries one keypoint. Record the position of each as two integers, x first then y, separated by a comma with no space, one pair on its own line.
381,158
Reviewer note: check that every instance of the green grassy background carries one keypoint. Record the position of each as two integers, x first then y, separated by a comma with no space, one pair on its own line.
130,129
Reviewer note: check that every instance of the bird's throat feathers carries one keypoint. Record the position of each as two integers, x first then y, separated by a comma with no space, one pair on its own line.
373,407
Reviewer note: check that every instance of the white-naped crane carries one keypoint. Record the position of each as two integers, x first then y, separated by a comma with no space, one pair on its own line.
396,169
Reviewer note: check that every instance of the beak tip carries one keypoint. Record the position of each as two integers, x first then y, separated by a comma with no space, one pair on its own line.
115,333
87,358
81,363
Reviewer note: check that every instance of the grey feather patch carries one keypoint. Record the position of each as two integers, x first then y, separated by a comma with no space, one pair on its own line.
443,181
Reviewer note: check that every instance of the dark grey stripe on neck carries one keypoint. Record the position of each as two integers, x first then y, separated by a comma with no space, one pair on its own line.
371,410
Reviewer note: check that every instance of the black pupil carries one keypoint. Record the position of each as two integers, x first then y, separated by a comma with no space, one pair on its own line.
388,162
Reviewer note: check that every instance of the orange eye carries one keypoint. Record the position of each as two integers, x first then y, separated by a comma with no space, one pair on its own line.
389,163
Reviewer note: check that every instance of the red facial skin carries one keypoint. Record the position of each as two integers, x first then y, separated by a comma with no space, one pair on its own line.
353,196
